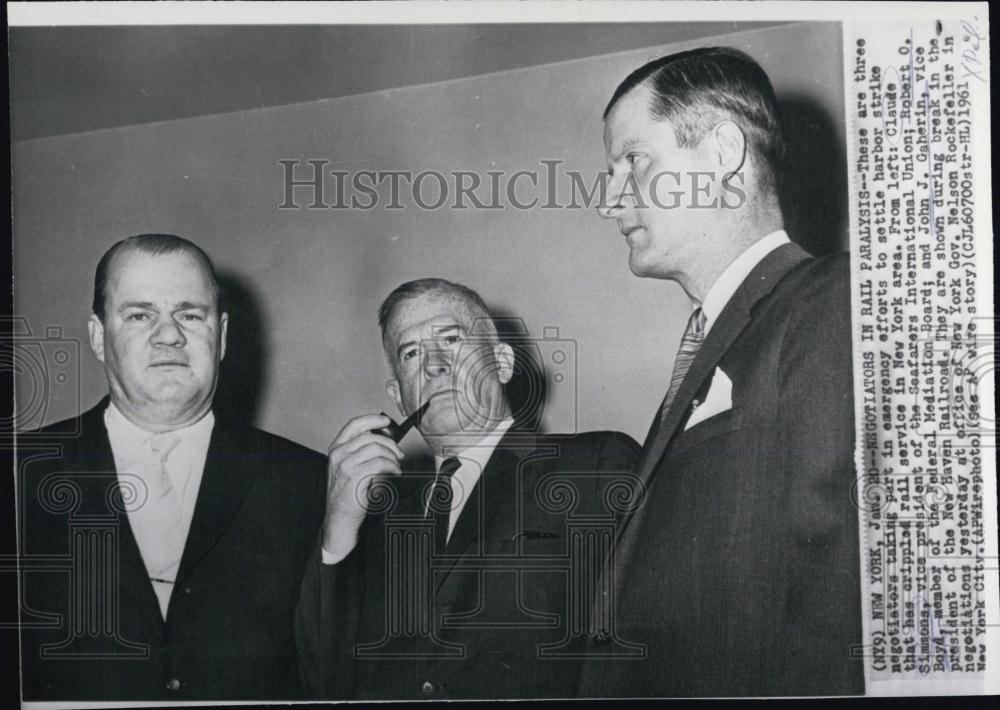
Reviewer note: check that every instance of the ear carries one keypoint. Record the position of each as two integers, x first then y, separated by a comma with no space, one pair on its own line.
504,355
392,387
730,148
96,330
223,330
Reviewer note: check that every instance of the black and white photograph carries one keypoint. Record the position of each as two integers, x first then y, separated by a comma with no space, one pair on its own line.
474,351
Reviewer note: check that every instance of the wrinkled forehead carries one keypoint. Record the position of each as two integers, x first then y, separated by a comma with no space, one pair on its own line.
422,314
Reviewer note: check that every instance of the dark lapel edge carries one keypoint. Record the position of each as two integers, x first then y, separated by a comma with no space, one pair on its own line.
229,471
733,320
499,480
132,574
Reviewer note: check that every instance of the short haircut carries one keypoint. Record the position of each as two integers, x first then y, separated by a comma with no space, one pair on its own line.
155,245
419,287
696,89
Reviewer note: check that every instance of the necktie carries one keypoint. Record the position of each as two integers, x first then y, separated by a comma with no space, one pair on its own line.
440,501
162,512
694,335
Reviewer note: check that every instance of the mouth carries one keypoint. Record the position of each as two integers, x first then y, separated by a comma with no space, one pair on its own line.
440,393
629,230
169,363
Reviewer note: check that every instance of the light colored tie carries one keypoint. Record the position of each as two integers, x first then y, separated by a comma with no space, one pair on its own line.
163,514
694,335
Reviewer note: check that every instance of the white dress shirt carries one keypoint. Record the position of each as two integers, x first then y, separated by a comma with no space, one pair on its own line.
463,481
734,275
467,476
185,465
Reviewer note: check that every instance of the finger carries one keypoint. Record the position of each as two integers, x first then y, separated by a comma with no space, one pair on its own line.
343,459
365,439
359,472
352,497
358,425
373,451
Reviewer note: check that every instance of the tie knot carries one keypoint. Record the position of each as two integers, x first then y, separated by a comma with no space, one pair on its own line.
449,466
162,444
696,323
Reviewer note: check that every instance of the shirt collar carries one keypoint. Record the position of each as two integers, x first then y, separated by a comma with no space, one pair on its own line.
734,275
481,451
127,437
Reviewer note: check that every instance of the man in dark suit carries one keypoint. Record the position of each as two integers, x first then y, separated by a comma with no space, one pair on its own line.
162,549
471,581
740,571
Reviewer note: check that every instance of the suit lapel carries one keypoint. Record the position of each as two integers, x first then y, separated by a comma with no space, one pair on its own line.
137,590
733,320
730,324
224,483
497,483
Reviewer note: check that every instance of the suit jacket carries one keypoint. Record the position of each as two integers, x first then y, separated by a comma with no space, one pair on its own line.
91,625
502,613
740,572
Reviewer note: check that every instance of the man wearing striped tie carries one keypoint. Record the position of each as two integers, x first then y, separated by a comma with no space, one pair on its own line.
740,573
471,580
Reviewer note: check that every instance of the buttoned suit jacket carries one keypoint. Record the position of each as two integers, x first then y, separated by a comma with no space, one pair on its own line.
229,632
505,618
739,574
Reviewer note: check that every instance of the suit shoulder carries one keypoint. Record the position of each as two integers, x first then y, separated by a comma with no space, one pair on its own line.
603,438
598,464
615,446
66,426
815,295
270,451
81,431
816,313
825,276
286,469
266,441
90,420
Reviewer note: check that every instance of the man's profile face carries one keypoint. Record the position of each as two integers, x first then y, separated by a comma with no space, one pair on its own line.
655,207
437,354
162,338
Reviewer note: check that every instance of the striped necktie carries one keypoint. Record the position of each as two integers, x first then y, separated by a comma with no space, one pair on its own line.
439,505
694,335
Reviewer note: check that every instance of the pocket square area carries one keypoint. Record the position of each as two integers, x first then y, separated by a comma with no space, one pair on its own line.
719,399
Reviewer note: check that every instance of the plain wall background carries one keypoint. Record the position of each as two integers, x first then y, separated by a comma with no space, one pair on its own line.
304,350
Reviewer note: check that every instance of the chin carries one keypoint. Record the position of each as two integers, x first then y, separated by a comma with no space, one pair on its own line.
175,391
440,424
651,267
641,270
175,399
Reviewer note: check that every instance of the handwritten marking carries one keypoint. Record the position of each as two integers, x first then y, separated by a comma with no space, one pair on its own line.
973,67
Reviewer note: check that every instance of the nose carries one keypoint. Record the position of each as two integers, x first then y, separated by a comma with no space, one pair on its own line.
613,205
437,362
168,333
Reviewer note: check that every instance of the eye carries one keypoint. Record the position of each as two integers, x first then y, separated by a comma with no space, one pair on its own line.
632,158
408,355
191,316
137,317
452,339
